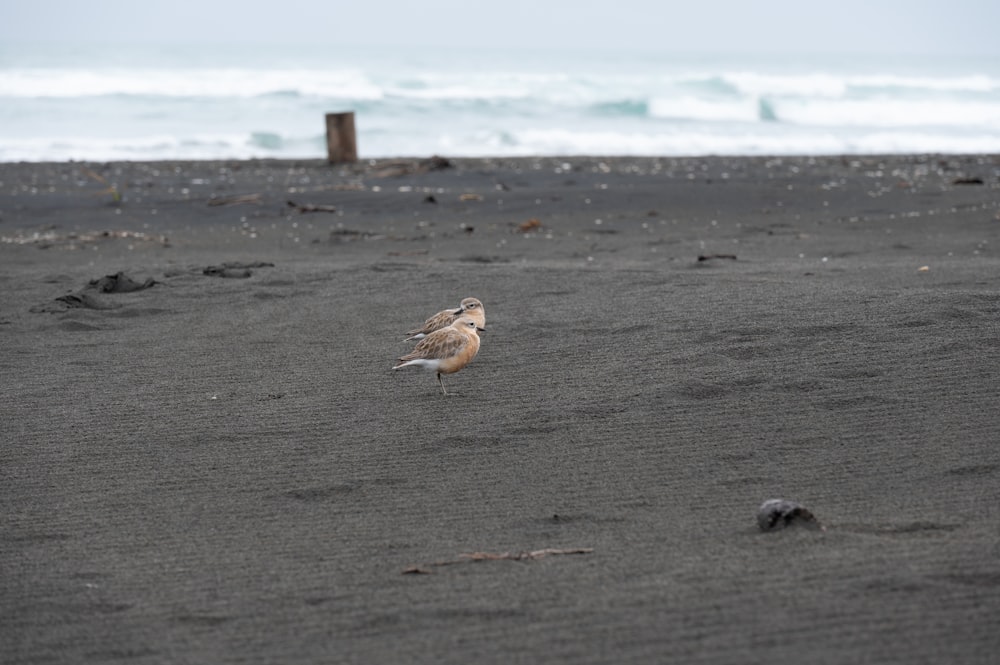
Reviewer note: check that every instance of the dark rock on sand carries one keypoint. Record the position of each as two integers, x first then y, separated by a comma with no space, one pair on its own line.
777,514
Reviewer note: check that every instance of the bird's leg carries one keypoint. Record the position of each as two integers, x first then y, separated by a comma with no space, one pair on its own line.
442,384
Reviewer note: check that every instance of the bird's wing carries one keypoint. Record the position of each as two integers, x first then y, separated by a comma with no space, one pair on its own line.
440,344
436,322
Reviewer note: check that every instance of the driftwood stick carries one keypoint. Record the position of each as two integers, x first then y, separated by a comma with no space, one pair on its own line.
235,200
397,168
521,556
492,556
311,207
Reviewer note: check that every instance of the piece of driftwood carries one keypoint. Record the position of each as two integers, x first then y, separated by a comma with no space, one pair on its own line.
235,200
396,169
311,207
473,557
709,257
350,235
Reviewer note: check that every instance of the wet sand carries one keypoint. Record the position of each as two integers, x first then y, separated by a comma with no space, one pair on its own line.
207,458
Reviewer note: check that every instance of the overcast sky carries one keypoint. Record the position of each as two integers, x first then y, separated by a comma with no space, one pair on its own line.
958,27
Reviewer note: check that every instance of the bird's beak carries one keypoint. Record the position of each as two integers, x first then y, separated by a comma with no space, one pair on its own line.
480,329
458,311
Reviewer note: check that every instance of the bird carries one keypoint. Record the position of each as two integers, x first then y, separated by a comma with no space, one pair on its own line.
468,307
446,350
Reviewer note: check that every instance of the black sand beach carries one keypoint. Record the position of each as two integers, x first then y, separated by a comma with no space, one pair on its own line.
219,466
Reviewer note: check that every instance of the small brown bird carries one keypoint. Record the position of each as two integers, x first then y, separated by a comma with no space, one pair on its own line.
468,307
446,350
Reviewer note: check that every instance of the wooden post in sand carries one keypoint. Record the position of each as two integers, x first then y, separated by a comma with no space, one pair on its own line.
341,145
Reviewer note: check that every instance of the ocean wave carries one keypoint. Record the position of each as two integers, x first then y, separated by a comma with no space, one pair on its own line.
623,107
267,140
162,146
826,85
563,142
282,94
557,88
202,83
888,113
692,108
710,85
410,106
973,83
482,142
